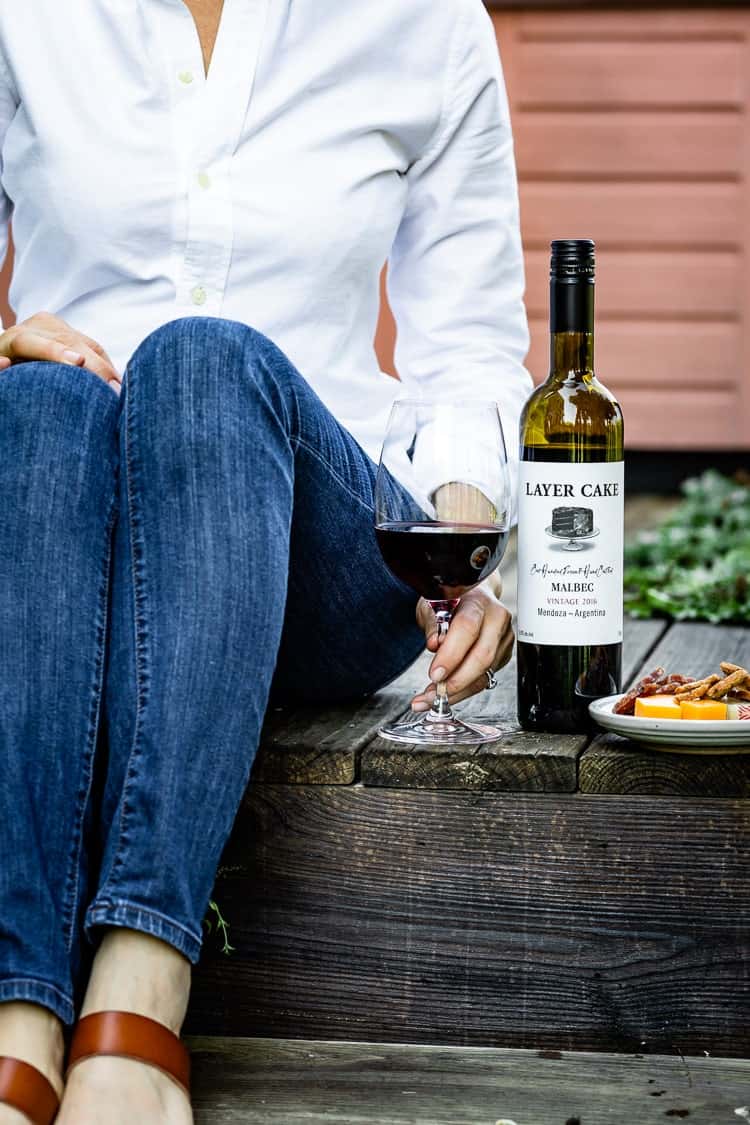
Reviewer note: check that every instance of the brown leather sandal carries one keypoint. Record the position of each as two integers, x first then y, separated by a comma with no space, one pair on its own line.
29,1091
129,1036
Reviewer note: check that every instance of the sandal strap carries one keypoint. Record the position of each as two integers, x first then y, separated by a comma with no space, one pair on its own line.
130,1036
29,1091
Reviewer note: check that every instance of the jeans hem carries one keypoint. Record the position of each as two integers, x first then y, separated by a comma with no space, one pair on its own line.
39,992
146,921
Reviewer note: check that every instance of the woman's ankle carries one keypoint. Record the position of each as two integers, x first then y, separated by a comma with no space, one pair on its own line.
33,1034
135,972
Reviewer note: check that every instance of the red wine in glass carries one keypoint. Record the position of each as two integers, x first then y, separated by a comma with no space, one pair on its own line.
442,504
441,561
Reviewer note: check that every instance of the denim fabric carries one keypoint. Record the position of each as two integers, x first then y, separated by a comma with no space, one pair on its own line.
166,559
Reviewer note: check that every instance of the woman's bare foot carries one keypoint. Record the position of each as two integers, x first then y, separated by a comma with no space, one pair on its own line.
132,972
34,1035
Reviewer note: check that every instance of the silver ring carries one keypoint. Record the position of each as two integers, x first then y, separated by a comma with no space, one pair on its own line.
491,681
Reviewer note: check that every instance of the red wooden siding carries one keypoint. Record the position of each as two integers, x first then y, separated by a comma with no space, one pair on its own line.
632,128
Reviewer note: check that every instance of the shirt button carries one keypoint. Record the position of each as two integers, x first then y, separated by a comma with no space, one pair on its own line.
204,180
186,77
198,295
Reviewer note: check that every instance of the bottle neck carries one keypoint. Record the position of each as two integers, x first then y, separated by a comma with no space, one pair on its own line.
572,355
572,327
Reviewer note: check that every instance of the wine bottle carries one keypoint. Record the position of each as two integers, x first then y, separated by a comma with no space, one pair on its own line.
570,516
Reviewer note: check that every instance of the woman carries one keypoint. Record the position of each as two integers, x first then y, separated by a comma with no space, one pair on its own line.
178,171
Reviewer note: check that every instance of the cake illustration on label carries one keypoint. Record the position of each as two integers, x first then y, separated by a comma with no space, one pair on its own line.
572,524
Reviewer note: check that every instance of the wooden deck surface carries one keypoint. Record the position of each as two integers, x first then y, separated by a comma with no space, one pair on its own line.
275,1082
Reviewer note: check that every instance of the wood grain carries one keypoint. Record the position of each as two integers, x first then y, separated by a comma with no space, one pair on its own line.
521,762
281,1082
640,637
666,419
616,765
320,745
484,919
632,146
658,75
697,648
646,215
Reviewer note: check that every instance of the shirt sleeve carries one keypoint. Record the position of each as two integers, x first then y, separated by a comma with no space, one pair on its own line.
8,106
456,276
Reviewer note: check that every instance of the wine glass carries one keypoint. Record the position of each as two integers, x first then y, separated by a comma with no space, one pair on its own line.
442,519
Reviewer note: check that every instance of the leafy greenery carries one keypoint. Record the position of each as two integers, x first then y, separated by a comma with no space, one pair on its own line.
696,565
222,926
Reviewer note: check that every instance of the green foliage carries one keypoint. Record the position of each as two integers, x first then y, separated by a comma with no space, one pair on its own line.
222,926
696,565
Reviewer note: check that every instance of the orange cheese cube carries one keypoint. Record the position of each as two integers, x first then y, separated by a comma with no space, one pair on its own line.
658,707
704,709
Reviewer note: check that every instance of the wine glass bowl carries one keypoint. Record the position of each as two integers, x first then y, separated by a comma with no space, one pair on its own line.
442,519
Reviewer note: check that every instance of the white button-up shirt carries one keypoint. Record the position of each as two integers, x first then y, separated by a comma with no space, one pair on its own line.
329,136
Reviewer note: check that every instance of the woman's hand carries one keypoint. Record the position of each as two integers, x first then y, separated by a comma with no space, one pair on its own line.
480,639
44,336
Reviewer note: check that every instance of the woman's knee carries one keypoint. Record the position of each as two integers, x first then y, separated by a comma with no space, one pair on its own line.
56,419
39,391
212,352
190,342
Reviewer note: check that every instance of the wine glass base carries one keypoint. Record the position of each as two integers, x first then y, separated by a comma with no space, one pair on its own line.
432,731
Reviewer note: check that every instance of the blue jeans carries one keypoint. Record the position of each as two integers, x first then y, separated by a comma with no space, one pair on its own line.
166,559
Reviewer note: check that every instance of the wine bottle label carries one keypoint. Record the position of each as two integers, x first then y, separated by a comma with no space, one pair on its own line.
570,524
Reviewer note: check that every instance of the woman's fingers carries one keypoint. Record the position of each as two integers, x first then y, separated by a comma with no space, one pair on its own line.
428,623
461,636
483,641
488,651
479,683
96,347
36,343
31,343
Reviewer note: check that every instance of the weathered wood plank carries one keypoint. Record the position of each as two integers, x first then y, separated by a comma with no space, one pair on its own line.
484,919
639,638
277,1082
719,411
609,75
319,745
522,761
632,145
616,765
657,215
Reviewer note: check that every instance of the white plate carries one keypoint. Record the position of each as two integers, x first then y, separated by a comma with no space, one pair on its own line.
680,736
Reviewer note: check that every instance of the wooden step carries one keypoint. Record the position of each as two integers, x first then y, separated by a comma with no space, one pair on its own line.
293,1082
534,892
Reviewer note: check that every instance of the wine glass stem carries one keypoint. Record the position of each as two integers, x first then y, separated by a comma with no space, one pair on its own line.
441,708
